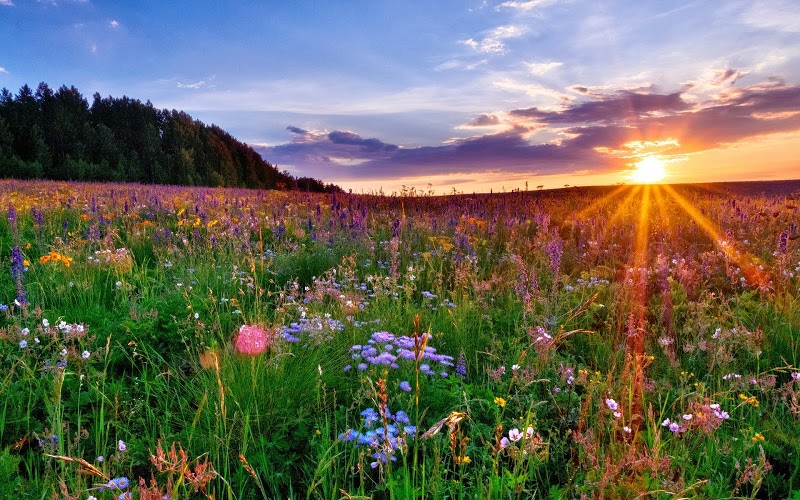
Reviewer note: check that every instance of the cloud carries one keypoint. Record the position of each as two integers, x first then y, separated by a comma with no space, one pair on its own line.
538,69
7,3
525,6
3,70
494,41
597,135
620,106
457,64
778,15
198,84
113,24
485,121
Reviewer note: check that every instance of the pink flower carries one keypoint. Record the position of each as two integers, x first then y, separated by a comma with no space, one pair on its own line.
252,340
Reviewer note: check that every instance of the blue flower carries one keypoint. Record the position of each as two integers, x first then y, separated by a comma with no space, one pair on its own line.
405,386
118,483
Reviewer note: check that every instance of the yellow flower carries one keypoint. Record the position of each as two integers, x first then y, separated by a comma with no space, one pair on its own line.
500,402
464,460
758,437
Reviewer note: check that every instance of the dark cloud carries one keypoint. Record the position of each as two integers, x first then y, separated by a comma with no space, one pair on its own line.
621,106
589,129
485,121
729,76
352,139
296,130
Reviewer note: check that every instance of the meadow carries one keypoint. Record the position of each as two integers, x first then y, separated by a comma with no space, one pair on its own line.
619,342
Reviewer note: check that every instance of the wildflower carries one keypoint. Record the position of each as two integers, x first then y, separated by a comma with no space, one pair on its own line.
758,437
627,429
405,386
101,458
674,427
23,344
252,340
25,331
514,435
118,483
612,405
666,423
121,446
687,416
500,402
85,354
461,366
45,322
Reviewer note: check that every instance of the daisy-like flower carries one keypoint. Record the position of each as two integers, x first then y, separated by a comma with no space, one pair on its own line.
612,405
405,386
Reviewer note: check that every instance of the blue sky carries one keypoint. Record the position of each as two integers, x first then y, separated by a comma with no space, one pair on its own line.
472,95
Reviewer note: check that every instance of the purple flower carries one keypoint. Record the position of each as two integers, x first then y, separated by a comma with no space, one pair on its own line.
461,366
612,405
405,386
121,446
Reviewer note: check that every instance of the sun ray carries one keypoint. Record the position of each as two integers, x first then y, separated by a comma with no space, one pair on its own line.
747,262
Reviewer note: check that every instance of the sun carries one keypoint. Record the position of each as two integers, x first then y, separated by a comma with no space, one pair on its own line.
649,170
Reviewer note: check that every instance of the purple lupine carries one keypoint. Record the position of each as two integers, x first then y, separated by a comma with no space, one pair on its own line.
783,241
38,216
461,366
12,218
554,250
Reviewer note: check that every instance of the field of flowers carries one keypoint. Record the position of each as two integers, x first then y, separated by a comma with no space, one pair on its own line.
620,342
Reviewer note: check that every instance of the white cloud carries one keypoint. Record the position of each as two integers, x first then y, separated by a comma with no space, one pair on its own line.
780,15
526,6
7,3
456,64
538,69
114,24
3,70
493,42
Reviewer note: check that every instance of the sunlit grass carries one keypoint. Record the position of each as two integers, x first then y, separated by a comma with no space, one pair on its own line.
590,319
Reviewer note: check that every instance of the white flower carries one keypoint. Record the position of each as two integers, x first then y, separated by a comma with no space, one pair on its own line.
514,435
85,354
45,323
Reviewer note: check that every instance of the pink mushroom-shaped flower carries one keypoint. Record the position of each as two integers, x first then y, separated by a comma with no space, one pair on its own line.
252,340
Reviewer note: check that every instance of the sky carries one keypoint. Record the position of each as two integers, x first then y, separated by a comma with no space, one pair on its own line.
443,96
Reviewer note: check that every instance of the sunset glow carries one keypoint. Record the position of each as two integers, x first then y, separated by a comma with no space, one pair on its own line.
649,170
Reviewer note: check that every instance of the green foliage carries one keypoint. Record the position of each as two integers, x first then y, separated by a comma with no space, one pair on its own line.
58,135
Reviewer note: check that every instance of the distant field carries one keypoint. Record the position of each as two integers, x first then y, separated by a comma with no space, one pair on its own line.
614,342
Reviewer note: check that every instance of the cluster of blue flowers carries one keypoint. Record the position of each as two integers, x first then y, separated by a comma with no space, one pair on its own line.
315,330
386,349
384,434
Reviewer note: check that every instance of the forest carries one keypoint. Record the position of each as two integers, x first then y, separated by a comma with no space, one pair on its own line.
46,134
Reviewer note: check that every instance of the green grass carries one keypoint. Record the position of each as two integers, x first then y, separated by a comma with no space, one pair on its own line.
543,303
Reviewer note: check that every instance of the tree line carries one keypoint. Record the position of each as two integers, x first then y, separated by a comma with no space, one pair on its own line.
58,135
